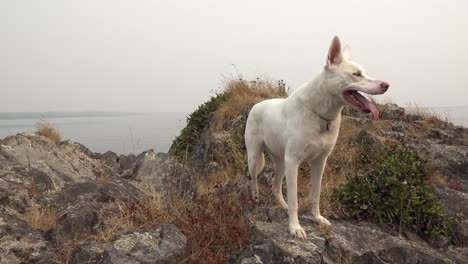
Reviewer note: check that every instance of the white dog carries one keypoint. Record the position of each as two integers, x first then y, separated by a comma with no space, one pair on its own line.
304,127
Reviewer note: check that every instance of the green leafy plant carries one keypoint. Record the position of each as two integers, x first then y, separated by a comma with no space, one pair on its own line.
391,187
190,136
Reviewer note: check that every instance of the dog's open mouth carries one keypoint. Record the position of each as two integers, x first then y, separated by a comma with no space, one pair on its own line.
355,98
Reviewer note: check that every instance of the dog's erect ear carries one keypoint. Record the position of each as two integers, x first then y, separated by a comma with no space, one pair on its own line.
334,53
346,52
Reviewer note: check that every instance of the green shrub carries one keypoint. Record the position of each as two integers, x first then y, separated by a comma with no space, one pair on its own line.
183,145
391,186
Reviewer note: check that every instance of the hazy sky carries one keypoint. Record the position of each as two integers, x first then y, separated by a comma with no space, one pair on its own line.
168,55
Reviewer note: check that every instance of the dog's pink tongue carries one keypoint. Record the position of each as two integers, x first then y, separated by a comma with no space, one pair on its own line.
373,109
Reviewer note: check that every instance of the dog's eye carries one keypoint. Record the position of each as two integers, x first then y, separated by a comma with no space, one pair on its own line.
358,74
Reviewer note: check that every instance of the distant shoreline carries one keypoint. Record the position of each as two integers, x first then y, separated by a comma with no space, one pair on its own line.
47,115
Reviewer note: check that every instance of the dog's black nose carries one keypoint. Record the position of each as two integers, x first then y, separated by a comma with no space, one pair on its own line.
384,85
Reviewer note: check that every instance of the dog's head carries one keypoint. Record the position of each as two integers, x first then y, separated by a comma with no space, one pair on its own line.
349,78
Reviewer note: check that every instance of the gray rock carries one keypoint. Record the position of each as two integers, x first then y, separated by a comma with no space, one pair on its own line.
77,221
347,111
439,241
274,244
392,112
78,184
252,260
93,191
413,118
211,144
459,254
118,163
367,244
164,173
443,136
451,160
401,251
363,137
20,244
165,244
456,205
343,242
109,158
455,202
64,163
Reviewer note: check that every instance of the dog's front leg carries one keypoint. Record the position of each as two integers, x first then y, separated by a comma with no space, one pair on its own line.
295,228
317,167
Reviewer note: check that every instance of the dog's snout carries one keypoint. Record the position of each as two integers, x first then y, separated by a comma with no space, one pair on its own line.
384,85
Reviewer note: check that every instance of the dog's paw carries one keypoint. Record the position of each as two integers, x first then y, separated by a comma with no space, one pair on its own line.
297,231
320,220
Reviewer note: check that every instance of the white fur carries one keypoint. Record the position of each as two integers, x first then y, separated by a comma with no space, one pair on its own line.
296,129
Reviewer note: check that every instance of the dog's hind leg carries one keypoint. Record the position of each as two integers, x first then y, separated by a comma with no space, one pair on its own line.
277,187
256,161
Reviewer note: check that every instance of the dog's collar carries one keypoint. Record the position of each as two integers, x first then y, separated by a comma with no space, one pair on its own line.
327,121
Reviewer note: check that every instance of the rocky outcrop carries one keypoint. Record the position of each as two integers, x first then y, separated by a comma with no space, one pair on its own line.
440,143
456,205
77,186
161,171
165,244
391,112
274,244
19,243
344,242
367,243
62,164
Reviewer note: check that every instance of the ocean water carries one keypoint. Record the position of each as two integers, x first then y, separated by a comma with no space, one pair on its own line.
126,133
100,132
456,114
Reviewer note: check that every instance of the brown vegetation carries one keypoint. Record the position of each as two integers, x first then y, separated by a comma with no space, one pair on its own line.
41,218
213,225
241,94
46,129
429,117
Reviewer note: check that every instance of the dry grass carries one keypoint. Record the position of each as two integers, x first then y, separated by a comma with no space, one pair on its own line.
241,93
41,218
117,219
46,129
429,117
120,216
437,179
65,250
205,183
213,225
326,232
104,177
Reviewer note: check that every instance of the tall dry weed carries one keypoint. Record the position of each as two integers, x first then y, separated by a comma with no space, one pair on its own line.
48,130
